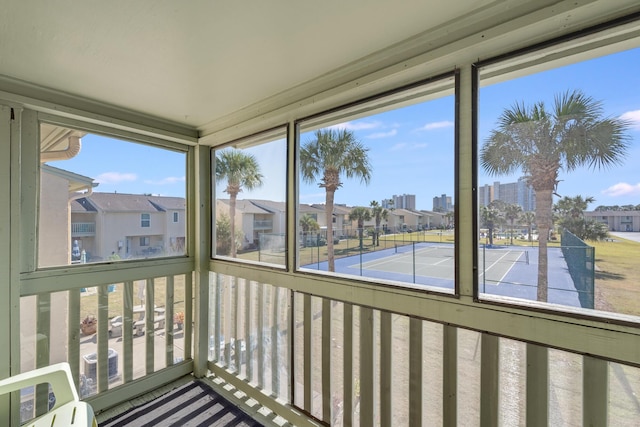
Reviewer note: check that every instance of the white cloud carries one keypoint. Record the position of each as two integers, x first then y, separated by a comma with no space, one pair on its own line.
166,181
356,126
633,117
622,189
437,125
398,146
115,177
408,146
379,135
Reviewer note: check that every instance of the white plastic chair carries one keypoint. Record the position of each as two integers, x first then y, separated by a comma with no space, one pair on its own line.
68,410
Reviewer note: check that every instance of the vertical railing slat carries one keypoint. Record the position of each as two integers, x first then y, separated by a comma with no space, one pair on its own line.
218,318
227,311
366,366
148,325
168,320
288,343
127,331
595,391
261,341
450,376
236,324
43,340
326,359
489,368
415,372
275,354
537,385
251,337
188,315
386,363
348,366
103,339
73,356
308,386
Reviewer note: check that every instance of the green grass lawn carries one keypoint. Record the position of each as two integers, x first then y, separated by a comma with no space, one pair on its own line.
617,272
89,300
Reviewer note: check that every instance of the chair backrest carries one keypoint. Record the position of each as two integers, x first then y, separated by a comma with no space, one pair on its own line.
67,410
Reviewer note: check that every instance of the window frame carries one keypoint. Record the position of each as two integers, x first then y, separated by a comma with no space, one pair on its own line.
579,46
265,136
395,98
32,119
145,220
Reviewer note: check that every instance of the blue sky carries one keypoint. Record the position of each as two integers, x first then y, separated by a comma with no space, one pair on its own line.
126,167
411,150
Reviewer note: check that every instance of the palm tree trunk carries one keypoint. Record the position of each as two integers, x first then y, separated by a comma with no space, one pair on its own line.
544,201
329,217
511,233
232,225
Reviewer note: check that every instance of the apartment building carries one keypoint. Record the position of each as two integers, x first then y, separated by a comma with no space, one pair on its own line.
513,193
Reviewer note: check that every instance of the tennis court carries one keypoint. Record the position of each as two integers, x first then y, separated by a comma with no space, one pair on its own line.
502,270
431,262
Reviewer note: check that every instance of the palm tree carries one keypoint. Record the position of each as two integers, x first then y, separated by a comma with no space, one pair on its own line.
333,153
511,213
307,223
240,170
572,207
378,213
595,230
449,216
490,217
570,211
541,142
528,218
360,215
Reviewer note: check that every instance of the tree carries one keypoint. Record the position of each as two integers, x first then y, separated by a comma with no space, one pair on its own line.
528,218
572,207
241,171
307,223
489,217
449,216
360,215
594,230
570,211
540,142
378,213
511,213
223,235
330,155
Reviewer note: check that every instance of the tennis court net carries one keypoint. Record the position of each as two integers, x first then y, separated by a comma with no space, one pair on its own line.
486,253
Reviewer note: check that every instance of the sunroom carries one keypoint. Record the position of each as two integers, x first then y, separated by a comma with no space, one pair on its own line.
204,191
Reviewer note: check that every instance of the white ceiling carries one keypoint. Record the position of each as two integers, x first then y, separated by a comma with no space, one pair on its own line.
195,62
192,62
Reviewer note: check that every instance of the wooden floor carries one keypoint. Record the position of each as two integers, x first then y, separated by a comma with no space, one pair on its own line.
192,404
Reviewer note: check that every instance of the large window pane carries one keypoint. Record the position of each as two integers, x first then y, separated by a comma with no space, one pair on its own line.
103,199
559,207
376,189
250,189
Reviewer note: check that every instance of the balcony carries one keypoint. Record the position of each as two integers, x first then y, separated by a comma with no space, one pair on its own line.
297,347
83,229
314,359
264,224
